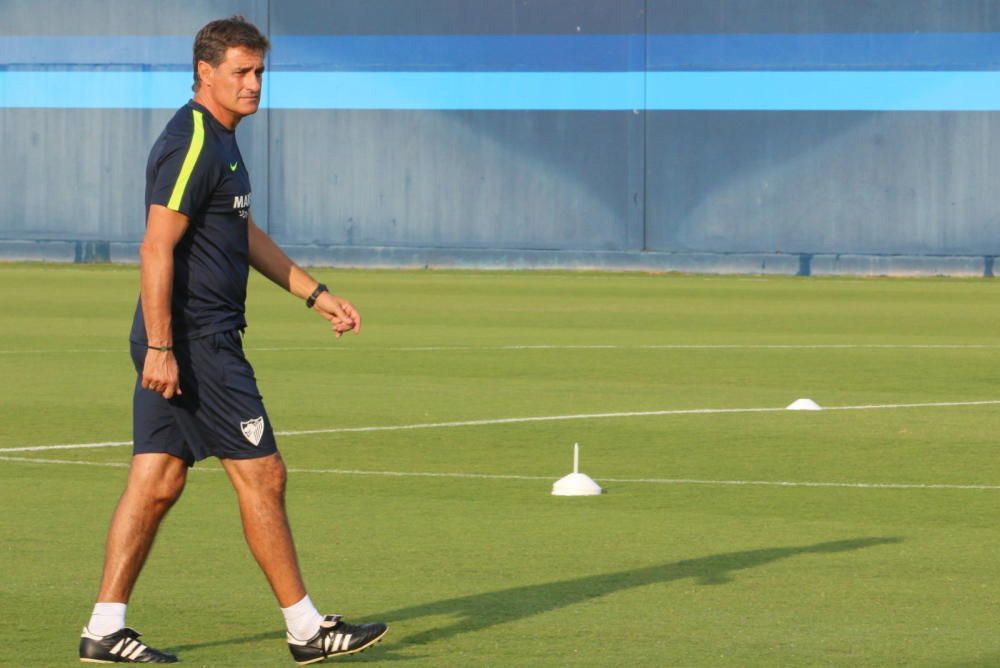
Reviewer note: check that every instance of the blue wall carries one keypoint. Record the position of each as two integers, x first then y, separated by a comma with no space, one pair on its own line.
790,136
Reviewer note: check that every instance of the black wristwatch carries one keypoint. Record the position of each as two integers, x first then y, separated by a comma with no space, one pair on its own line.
311,299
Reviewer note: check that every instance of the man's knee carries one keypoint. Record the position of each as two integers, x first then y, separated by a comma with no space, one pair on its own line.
166,492
265,476
158,481
273,477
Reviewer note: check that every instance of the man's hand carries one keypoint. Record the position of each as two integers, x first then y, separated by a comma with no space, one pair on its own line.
160,373
341,314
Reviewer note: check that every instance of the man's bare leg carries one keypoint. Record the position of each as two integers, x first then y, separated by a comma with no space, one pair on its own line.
155,482
260,487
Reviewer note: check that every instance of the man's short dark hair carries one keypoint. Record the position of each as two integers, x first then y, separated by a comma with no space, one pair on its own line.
212,41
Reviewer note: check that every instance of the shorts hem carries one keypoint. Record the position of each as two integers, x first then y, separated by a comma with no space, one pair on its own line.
188,461
249,455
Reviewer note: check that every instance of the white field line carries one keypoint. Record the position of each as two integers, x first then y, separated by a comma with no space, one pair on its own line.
539,418
498,476
117,465
666,346
69,446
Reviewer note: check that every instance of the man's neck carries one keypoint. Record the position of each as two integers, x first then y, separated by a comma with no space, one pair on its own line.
228,119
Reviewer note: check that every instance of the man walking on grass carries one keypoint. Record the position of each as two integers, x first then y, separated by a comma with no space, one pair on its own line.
196,395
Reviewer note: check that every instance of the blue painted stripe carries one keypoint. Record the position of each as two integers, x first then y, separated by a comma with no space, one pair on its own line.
824,91
94,90
365,53
96,50
458,90
336,90
812,91
535,53
826,51
461,53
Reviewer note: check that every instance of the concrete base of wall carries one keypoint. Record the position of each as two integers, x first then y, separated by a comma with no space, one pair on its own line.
468,258
901,265
804,264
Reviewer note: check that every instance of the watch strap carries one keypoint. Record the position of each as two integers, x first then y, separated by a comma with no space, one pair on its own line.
311,299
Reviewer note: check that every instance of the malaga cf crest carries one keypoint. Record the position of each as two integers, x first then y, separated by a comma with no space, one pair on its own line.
253,429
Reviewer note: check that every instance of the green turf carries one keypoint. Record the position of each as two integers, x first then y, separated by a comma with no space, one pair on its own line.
496,572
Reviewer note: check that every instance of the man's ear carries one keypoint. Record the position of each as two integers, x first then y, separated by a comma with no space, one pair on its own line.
205,72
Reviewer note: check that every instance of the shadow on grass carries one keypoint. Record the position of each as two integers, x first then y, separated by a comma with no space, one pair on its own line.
480,611
273,634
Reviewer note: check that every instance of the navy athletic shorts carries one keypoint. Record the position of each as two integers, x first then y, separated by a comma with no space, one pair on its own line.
220,413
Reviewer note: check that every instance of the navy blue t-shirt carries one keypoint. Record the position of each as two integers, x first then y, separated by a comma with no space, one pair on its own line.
195,168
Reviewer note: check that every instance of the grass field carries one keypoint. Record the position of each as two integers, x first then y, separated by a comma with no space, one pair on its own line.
879,547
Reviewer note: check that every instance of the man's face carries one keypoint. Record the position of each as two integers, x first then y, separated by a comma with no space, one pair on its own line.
236,83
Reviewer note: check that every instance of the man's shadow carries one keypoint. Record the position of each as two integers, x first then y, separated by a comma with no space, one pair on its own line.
480,611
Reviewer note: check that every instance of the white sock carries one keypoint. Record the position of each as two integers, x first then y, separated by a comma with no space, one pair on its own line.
107,618
302,619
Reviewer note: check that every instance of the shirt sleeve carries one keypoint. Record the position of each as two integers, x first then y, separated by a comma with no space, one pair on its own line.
184,180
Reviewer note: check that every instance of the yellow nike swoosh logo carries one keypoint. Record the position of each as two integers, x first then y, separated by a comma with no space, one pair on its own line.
232,167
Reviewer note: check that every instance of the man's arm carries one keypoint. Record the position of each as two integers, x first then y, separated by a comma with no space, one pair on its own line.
267,258
164,229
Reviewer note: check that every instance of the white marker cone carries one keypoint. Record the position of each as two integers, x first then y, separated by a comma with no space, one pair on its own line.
576,483
803,405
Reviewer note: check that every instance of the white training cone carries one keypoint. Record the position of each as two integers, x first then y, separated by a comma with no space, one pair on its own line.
803,405
576,483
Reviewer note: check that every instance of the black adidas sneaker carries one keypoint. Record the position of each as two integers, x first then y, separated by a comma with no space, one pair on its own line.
335,638
122,646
